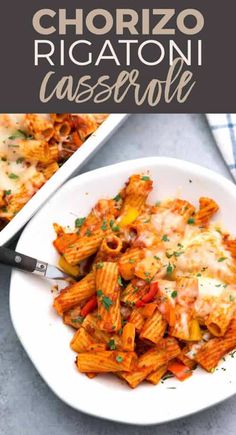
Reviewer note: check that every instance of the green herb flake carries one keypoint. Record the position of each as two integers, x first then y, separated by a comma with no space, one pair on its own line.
13,176
120,281
78,319
221,259
99,265
19,134
135,289
20,160
119,358
115,228
111,344
174,294
156,257
79,222
106,302
145,178
231,298
117,198
7,192
104,226
178,253
99,292
131,260
169,268
88,232
165,238
199,274
191,221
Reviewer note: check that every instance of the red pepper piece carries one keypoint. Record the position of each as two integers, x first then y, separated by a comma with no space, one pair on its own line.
149,296
89,306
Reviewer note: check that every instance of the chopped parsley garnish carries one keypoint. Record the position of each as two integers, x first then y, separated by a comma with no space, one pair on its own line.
165,238
117,197
104,226
106,302
169,268
178,253
145,178
79,222
135,289
13,176
131,260
174,294
19,134
7,192
120,281
111,344
231,298
20,160
99,265
191,221
119,358
147,273
180,245
115,228
199,274
78,319
221,259
88,232
156,257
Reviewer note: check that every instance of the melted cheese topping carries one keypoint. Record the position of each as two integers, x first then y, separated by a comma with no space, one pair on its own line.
13,171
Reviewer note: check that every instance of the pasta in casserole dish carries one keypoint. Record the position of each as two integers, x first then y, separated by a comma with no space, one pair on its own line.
155,286
32,148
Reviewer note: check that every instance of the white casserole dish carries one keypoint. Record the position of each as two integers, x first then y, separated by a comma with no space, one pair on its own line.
69,168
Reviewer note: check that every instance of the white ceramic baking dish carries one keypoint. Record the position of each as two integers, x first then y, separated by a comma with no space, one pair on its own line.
69,168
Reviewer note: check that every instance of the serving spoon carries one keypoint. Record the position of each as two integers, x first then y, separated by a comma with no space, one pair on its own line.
28,264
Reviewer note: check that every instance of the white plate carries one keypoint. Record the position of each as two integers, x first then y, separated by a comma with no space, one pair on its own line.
70,167
46,339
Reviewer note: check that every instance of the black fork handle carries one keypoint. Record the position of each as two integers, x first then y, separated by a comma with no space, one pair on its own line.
17,260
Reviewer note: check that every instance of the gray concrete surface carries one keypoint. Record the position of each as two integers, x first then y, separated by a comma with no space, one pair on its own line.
27,406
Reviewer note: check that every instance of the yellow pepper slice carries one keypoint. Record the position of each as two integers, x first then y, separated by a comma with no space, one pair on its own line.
71,270
129,216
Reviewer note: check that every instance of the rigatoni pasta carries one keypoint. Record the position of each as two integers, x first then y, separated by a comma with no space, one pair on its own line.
156,286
